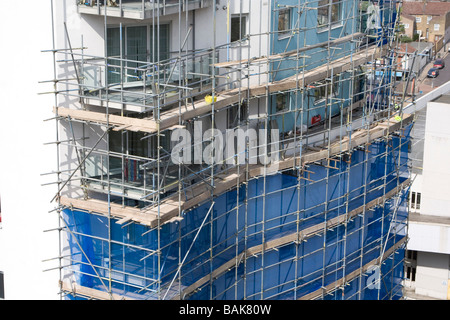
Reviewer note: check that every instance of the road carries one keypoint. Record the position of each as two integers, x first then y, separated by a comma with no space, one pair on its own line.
443,77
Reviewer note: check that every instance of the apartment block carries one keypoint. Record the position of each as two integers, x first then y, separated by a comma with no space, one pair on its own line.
216,150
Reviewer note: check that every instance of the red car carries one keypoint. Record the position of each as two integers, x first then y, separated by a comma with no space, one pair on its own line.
439,64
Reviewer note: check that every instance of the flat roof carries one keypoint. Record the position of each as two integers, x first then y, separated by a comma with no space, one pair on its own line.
445,98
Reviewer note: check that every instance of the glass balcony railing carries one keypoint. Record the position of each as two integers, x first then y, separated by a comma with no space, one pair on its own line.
139,178
142,86
130,176
137,9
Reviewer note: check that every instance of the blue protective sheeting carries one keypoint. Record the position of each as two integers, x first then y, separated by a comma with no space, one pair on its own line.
263,210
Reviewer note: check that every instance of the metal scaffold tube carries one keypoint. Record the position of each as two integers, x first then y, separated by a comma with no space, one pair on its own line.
297,205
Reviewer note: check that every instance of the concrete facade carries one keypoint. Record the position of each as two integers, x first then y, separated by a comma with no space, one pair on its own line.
432,275
429,224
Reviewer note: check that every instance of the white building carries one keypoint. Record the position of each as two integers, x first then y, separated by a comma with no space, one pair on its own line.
428,258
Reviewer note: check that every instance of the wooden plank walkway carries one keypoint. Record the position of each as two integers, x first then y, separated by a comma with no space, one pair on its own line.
171,207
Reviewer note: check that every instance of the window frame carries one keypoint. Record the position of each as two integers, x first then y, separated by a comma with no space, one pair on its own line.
150,56
287,12
415,200
325,5
237,115
410,265
322,97
282,102
243,20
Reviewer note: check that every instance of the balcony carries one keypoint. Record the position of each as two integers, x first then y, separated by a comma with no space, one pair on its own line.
142,179
138,9
140,86
133,177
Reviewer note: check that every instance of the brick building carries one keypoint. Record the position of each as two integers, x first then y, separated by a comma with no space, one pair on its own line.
432,19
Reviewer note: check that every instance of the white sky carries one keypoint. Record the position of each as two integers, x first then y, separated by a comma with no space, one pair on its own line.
25,30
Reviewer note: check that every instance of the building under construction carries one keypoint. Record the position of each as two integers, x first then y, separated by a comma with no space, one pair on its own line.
224,149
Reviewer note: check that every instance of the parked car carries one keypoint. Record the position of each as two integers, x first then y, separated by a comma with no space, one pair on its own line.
433,73
439,64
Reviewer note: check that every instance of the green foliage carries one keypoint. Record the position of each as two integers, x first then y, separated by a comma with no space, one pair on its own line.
405,39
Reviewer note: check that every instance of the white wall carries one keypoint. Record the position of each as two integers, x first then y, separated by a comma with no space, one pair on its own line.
436,169
83,30
258,19
25,31
417,184
429,237
432,274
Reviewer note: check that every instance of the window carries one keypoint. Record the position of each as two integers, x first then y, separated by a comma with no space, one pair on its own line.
324,16
164,43
113,50
330,89
410,273
436,26
135,46
233,119
132,141
320,93
411,255
429,19
418,19
136,49
406,25
415,200
238,28
284,21
359,84
410,265
281,101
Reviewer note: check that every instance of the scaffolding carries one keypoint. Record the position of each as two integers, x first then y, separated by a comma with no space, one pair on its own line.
310,212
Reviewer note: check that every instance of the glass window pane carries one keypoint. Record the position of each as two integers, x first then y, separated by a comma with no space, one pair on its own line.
284,20
281,101
164,43
335,11
113,50
418,200
235,29
238,28
323,12
136,50
413,200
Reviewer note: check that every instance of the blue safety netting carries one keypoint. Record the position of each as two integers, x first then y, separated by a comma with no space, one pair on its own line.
265,209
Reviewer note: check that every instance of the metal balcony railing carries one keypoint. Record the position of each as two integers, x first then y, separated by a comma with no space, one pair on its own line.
138,9
142,84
